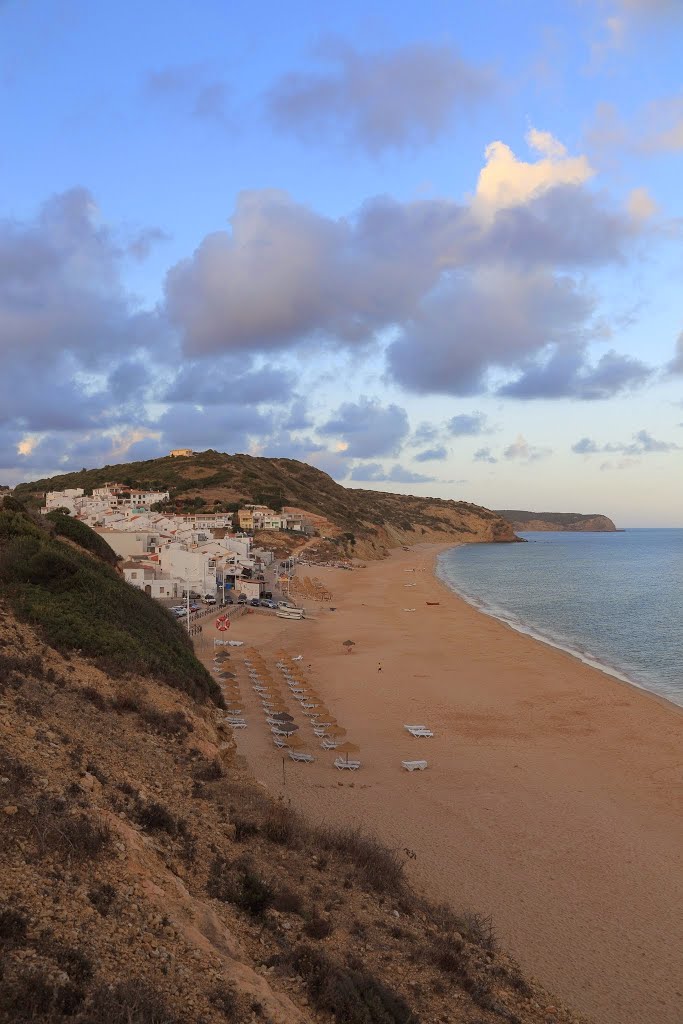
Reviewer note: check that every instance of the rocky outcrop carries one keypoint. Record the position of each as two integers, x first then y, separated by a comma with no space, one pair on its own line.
574,522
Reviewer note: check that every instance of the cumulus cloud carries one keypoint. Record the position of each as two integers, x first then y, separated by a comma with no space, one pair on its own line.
495,316
506,181
642,443
484,455
373,472
467,424
520,450
366,428
211,384
565,372
432,454
377,101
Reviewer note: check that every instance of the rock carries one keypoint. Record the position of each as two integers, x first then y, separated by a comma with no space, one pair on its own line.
10,809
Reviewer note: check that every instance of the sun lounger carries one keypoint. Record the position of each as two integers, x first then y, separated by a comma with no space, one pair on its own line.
411,727
414,766
328,744
341,762
297,755
238,725
420,732
279,742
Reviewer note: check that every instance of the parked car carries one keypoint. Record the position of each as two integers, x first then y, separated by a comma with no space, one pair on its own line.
265,603
242,599
285,604
194,607
255,603
209,599
268,595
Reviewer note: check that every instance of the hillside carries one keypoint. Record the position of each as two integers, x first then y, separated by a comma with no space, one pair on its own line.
567,521
359,522
146,879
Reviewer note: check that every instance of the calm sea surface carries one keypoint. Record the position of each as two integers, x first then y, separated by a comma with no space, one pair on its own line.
613,599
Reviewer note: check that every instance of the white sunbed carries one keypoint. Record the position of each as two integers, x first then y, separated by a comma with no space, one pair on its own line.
298,657
279,742
414,766
327,743
341,762
298,755
238,725
411,727
420,732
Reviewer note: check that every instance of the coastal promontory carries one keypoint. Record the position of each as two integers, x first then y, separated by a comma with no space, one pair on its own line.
571,522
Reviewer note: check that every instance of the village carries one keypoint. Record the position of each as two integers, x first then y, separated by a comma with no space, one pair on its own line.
201,555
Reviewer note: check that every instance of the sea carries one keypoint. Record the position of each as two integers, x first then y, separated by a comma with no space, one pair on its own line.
614,600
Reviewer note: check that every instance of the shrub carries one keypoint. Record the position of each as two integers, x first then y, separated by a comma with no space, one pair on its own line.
94,696
129,1002
209,771
238,883
318,927
350,994
379,867
157,818
13,927
102,896
82,535
288,901
282,826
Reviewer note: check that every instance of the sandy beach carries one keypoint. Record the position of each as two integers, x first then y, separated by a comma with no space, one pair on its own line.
553,795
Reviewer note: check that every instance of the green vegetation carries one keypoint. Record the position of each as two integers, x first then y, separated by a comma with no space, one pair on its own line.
81,603
82,535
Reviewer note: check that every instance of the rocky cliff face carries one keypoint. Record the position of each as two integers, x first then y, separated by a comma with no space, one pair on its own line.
562,521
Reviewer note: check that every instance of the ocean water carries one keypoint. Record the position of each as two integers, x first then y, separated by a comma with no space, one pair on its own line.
613,599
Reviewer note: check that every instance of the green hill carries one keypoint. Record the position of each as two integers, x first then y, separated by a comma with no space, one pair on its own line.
360,521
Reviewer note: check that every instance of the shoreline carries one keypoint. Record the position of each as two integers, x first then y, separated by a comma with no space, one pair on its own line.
525,629
549,802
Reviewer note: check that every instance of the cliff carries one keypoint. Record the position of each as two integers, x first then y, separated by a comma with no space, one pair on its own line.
146,879
352,521
569,521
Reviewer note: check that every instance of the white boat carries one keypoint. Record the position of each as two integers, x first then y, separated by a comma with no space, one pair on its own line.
290,613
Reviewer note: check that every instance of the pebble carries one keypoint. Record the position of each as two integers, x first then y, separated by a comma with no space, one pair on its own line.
10,809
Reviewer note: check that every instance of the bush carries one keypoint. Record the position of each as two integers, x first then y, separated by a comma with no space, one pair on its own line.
13,927
129,1002
209,771
318,927
102,897
94,696
156,818
350,994
380,868
238,883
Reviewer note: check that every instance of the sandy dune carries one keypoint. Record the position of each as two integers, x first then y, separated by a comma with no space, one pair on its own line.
550,801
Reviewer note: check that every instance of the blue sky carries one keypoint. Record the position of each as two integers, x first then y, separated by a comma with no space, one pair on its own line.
433,248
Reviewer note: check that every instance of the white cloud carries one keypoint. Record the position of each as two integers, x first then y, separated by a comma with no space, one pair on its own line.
640,204
506,181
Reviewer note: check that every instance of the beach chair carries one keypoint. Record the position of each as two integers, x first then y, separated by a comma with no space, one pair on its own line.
414,766
327,743
411,727
238,725
299,755
341,763
279,742
420,733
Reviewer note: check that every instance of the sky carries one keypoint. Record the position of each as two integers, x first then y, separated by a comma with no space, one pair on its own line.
429,248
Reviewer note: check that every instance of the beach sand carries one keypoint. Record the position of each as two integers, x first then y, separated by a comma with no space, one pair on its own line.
553,795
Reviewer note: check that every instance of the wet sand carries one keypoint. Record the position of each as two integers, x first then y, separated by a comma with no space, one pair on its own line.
552,801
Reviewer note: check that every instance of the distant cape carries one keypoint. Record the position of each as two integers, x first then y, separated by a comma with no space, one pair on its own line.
574,522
